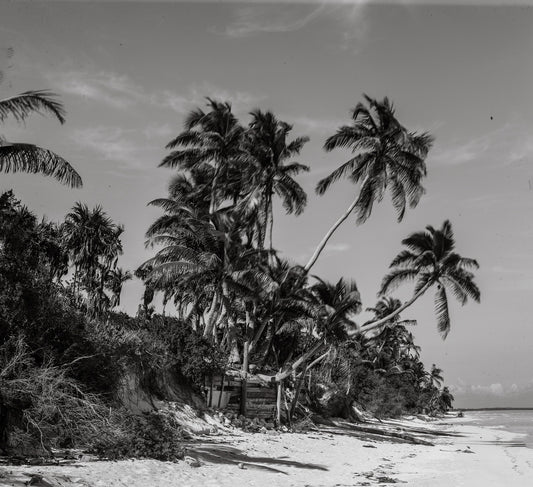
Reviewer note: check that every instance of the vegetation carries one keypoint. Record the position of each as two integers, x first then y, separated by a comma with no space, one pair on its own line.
234,302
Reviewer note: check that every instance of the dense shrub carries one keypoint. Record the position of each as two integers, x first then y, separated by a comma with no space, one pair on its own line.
152,435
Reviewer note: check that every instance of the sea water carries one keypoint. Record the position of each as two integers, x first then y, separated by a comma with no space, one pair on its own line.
513,420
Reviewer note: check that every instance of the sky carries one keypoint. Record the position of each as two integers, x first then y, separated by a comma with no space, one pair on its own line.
128,72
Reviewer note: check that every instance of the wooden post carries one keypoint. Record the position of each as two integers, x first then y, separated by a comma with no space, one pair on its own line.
211,393
278,404
221,389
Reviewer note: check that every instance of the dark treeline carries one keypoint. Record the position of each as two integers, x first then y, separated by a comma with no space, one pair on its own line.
235,304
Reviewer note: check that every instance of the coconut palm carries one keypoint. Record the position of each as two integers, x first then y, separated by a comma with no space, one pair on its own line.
430,260
435,376
23,157
387,156
115,280
211,140
267,145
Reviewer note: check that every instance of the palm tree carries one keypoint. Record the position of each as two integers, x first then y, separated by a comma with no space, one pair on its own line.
267,145
435,376
23,157
334,306
115,280
211,141
430,260
387,155
93,241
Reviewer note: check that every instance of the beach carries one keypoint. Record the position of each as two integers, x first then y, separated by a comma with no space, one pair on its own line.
328,457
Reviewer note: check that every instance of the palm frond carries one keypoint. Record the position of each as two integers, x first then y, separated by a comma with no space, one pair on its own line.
17,157
21,106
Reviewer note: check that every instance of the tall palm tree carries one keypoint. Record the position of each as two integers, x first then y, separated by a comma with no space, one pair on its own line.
387,156
267,145
211,140
430,260
23,157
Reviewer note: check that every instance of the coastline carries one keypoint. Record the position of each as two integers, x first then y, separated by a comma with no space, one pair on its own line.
479,457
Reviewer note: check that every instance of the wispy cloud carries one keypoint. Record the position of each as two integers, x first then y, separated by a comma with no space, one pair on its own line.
119,91
116,145
506,145
196,96
320,126
107,87
256,19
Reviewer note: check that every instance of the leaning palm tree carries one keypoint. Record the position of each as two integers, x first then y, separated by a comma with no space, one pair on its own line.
387,156
23,157
430,260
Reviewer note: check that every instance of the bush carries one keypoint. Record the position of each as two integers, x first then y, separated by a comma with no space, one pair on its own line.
153,435
41,405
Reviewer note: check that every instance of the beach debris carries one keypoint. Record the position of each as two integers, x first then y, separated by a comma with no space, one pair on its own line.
40,481
241,466
369,446
192,462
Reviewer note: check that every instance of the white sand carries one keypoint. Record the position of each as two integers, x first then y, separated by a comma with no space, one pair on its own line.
317,459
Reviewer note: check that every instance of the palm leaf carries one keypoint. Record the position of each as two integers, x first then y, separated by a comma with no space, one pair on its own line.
29,158
21,106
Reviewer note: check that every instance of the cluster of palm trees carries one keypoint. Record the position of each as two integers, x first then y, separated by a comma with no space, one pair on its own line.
213,261
216,260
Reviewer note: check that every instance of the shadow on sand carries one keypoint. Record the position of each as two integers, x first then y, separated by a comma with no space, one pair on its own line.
221,454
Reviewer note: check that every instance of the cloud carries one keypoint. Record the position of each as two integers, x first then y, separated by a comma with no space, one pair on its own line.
117,145
316,125
509,144
120,91
105,87
336,248
196,96
256,19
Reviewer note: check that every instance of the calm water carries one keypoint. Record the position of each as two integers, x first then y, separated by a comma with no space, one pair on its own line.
508,420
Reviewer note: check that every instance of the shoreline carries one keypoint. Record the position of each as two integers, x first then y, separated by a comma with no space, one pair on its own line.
331,456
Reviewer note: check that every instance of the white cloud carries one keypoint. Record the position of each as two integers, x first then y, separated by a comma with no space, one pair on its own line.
196,96
509,144
252,20
336,248
120,91
117,145
317,125
106,87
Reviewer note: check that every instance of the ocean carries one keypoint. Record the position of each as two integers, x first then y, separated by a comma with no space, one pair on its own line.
513,420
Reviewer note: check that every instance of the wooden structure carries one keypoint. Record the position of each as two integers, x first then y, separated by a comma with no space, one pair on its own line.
225,392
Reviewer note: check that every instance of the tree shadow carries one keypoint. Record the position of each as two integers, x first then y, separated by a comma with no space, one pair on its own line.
221,454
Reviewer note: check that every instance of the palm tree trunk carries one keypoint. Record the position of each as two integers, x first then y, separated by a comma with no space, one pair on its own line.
271,223
213,202
301,361
210,315
245,359
328,235
297,394
375,324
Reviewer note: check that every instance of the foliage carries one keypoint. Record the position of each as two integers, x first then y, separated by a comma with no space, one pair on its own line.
22,157
155,435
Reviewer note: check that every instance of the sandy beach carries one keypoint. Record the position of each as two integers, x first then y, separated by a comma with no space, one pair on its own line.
329,457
